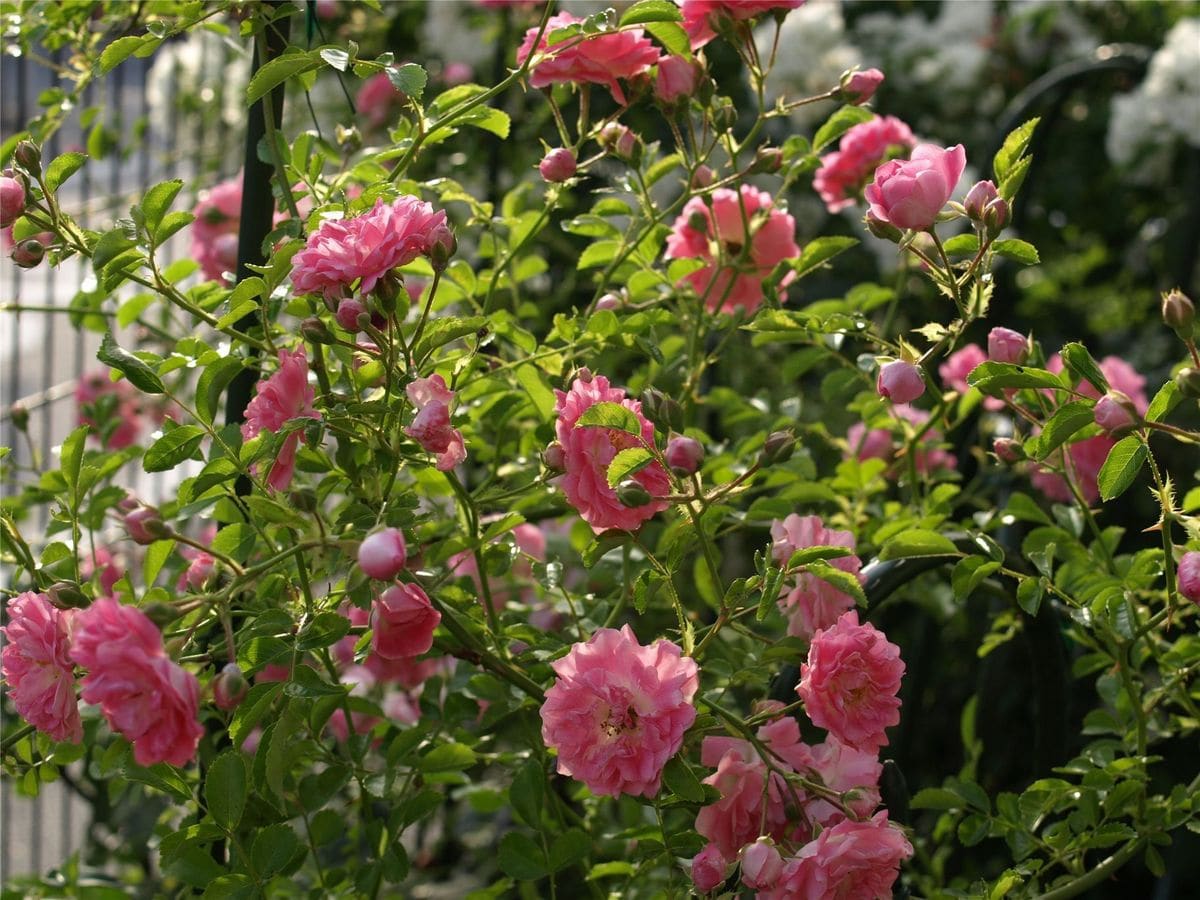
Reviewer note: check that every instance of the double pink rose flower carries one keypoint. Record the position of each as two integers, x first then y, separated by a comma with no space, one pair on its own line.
909,193
284,396
37,667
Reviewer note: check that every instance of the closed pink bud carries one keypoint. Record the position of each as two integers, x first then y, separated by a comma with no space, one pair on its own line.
609,301
708,869
900,381
1188,574
229,687
145,525
677,79
1007,346
859,87
555,457
442,245
761,865
558,165
28,253
684,454
1008,450
978,197
1116,414
348,312
702,177
12,200
383,554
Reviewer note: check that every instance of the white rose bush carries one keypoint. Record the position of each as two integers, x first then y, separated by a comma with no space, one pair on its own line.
553,512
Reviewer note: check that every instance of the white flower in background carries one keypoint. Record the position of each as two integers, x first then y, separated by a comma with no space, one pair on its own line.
204,71
1046,32
1146,122
813,53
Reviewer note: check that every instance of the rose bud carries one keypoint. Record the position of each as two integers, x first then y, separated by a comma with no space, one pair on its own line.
555,458
442,246
28,253
684,454
383,554
884,230
229,687
1007,346
1188,575
348,312
28,157
632,494
19,416
677,78
978,197
995,217
859,87
1178,312
620,141
1188,382
316,331
761,865
558,165
708,869
1116,414
67,595
145,525
609,301
900,381
702,177
778,447
1008,450
767,160
12,200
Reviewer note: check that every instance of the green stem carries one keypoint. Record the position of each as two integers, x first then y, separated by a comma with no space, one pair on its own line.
1097,875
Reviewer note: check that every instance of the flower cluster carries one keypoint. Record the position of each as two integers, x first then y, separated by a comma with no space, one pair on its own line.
282,397
862,149
701,17
37,666
431,426
812,603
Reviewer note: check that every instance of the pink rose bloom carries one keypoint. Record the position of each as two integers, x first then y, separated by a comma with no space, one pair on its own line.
842,768
587,452
850,682
812,604
617,711
738,817
699,15
376,100
284,396
457,73
1007,346
383,554
365,248
402,622
900,381
145,697
125,409
12,201
910,193
854,860
728,281
596,59
431,425
37,667
218,217
879,443
708,869
959,365
197,574
1113,413
1188,575
860,152
104,565
677,79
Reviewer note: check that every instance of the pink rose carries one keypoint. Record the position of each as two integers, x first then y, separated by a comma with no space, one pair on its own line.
859,860
557,165
677,79
812,604
617,711
348,311
741,777
218,216
590,59
841,768
198,572
761,865
910,193
108,623
383,554
588,450
402,622
959,365
700,16
747,247
860,87
284,396
1116,414
900,381
365,248
850,681
12,200
1007,346
860,152
37,667
431,426
1188,574
708,869
684,454
106,566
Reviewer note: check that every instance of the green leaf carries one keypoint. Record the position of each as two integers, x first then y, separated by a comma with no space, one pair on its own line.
173,448
1008,188
1018,251
962,245
673,38
682,781
993,377
277,71
645,11
157,555
336,57
409,79
527,793
1079,362
1124,462
212,382
627,462
838,124
277,745
917,542
225,789
274,846
1014,147
936,798
598,253
252,710
62,168
440,332
119,51
1067,419
157,201
161,777
969,573
610,415
818,252
1029,595
111,245
450,757
568,848
72,458
535,386
1164,402
139,374
521,858
489,119
805,555
845,582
